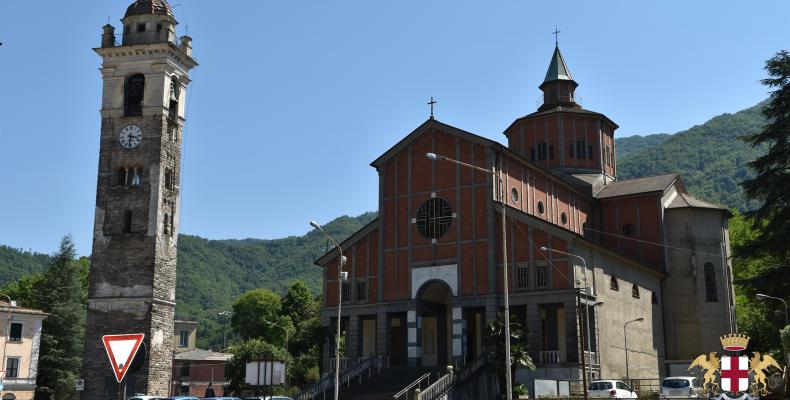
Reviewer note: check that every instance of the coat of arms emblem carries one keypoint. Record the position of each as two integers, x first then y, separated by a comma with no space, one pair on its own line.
734,375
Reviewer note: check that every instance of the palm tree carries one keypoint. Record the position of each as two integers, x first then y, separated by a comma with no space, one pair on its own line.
519,356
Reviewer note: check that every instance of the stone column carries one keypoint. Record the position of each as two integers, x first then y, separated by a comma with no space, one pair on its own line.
458,325
413,338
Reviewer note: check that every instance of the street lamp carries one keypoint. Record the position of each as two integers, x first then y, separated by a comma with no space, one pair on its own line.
503,200
588,372
625,342
287,382
341,261
224,315
761,296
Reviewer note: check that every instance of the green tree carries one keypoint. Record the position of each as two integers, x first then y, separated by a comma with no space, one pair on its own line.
244,352
519,354
298,303
255,313
771,185
62,295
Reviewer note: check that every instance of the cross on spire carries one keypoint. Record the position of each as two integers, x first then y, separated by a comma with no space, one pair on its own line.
431,103
556,36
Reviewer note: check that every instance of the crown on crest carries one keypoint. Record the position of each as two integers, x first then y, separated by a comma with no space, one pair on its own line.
734,342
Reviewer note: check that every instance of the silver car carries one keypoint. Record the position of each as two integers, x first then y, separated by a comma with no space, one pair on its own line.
680,387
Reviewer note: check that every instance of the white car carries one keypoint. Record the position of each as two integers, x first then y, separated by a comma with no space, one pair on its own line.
676,387
610,389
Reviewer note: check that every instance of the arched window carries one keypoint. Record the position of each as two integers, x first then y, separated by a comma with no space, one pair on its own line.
169,178
166,224
137,179
127,221
120,176
635,291
710,283
133,95
175,92
613,284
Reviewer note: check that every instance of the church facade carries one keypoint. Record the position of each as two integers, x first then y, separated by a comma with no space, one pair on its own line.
638,257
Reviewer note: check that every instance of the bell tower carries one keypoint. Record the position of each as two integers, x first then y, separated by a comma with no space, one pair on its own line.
133,268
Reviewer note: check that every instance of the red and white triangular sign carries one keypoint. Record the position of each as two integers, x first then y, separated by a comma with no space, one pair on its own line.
121,350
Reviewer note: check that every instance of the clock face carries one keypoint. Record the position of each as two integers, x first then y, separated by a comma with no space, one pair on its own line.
131,136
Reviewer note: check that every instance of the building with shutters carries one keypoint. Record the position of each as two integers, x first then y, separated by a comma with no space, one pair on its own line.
21,342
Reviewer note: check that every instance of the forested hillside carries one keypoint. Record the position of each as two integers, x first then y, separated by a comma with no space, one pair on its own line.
710,157
212,273
630,144
16,263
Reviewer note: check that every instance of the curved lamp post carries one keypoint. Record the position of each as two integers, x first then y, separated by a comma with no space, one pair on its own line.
625,342
341,261
503,200
761,296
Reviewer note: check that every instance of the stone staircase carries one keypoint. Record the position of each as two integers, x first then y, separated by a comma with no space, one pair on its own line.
382,386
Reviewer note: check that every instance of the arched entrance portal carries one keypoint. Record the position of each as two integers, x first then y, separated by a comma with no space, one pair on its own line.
435,299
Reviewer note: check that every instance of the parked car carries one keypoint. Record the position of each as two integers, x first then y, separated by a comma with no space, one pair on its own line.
221,398
680,387
610,389
268,398
144,397
182,398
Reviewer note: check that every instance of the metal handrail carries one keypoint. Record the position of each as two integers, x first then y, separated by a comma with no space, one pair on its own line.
438,388
418,381
328,382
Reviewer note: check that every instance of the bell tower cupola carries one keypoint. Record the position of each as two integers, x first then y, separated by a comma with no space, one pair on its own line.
558,86
148,21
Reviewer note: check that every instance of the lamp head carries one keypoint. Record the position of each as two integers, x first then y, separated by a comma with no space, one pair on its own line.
761,296
315,225
640,319
600,303
431,156
543,248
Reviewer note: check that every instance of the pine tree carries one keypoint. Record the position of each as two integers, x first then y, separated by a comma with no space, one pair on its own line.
63,331
771,185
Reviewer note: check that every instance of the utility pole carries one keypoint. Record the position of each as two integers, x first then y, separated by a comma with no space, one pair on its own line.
224,315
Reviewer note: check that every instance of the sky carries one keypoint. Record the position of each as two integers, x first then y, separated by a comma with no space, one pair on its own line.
293,99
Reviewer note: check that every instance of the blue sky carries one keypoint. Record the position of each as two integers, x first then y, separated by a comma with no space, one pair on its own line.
293,99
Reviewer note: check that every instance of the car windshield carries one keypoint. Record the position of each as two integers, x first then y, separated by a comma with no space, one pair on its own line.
600,385
675,383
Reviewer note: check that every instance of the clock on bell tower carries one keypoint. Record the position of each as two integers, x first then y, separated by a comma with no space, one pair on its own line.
133,268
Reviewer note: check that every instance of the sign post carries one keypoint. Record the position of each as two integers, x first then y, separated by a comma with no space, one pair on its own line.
121,350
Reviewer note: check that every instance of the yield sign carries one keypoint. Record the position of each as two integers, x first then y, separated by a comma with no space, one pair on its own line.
121,350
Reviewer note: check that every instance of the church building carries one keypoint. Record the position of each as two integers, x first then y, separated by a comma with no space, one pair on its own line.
639,257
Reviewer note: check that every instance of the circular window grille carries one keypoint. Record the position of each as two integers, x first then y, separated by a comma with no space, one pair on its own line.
514,195
540,208
628,229
434,218
564,218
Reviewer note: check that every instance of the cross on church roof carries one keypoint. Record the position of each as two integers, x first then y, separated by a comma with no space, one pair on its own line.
556,36
431,103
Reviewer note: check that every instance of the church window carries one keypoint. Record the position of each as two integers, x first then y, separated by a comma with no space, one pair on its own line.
532,154
166,224
613,284
126,28
589,152
120,176
514,195
551,152
570,150
710,283
175,91
541,209
362,291
133,95
127,221
169,178
564,218
522,276
628,229
541,275
434,218
345,289
635,291
158,27
138,177
542,153
140,27
580,148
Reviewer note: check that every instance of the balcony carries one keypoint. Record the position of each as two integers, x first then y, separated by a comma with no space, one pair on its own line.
551,357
